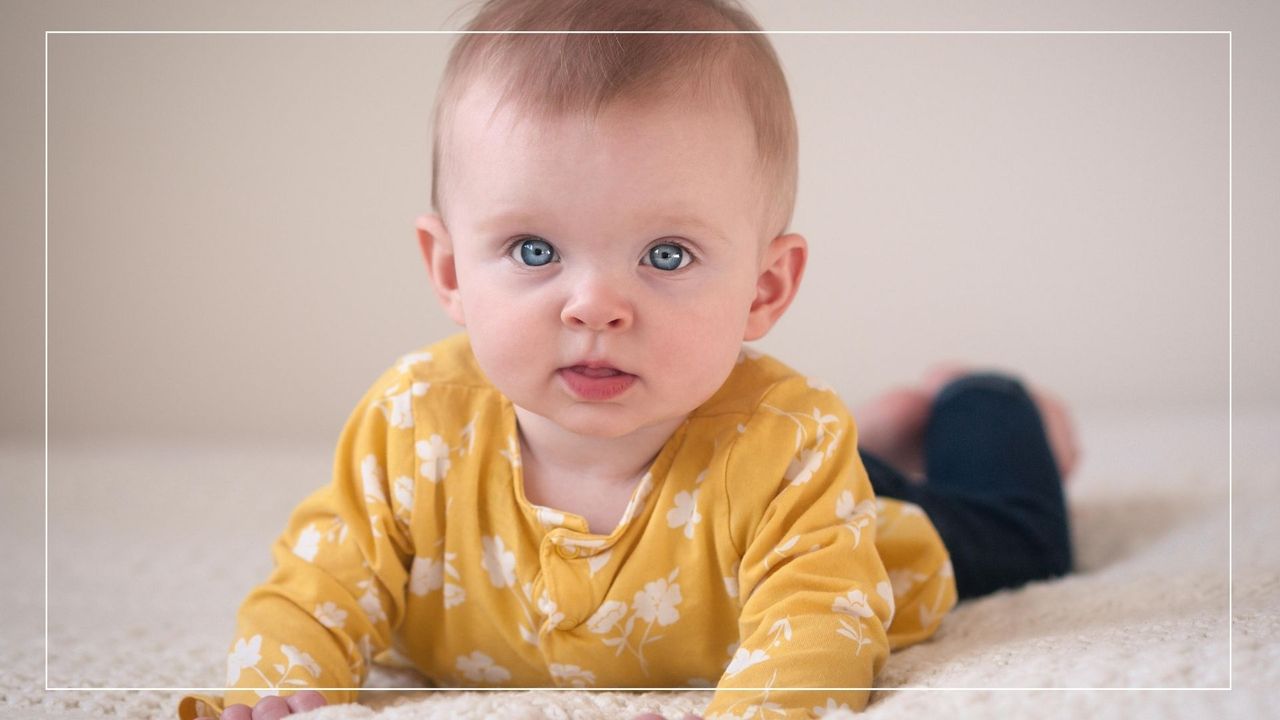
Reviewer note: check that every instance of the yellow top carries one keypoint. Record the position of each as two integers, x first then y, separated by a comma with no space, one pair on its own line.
752,556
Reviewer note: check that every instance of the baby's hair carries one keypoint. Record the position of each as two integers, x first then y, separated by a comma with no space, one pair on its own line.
557,75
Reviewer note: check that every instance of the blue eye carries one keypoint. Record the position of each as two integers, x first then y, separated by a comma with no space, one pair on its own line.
668,256
536,252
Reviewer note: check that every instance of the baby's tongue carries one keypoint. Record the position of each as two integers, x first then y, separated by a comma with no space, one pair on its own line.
596,372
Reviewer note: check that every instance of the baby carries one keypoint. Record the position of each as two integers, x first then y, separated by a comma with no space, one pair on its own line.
599,485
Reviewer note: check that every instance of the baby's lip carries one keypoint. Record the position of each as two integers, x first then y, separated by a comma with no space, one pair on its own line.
595,368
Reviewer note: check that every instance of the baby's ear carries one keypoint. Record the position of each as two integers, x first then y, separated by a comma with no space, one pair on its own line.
779,280
437,252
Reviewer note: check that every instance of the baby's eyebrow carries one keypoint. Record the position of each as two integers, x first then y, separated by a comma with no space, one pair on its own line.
669,221
693,222
502,219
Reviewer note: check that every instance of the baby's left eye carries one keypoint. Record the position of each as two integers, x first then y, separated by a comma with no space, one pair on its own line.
668,256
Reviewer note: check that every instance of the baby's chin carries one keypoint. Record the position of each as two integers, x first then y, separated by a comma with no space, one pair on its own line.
605,421
597,420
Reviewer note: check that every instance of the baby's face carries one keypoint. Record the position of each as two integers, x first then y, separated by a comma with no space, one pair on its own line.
635,243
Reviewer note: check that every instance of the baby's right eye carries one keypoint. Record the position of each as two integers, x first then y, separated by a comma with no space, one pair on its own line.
534,252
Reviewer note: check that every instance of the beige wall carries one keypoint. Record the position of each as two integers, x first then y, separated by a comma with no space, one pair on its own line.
230,217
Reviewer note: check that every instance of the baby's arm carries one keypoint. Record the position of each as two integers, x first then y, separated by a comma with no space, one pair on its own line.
338,587
816,600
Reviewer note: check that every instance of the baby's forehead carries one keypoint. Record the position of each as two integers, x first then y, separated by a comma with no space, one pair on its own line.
636,142
485,106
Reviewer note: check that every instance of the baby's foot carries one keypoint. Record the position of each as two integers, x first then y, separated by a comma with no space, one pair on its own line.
1058,425
1060,429
891,426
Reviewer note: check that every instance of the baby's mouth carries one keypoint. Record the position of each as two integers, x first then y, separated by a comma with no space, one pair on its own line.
596,372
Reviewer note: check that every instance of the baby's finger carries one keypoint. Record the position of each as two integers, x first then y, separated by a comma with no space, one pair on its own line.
271,708
237,712
305,700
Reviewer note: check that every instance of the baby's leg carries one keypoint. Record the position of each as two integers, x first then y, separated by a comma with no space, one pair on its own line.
892,424
1054,416
994,487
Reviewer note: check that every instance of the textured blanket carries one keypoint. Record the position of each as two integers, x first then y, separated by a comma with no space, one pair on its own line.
152,545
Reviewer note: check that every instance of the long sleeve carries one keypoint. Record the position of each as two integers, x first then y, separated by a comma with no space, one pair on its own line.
816,599
338,587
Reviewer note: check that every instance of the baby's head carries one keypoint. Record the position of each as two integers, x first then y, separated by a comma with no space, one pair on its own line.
613,198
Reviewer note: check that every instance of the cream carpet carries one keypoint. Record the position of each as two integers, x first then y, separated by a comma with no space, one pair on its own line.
152,545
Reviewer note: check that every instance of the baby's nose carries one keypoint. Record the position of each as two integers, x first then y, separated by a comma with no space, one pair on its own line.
596,305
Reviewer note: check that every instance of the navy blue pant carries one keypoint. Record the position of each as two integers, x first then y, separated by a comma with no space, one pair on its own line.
993,490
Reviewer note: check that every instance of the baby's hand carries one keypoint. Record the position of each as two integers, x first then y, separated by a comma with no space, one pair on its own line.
274,707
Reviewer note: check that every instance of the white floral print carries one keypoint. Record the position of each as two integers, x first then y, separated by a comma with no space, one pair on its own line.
308,543
731,581
780,631
467,437
762,709
371,474
744,659
854,604
426,575
330,615
855,517
820,421
552,616
942,601
685,513
511,452
571,676
480,668
434,453
817,384
403,491
802,468
548,517
408,360
831,707
731,586
247,653
371,602
656,603
300,659
903,579
885,591
606,616
595,562
453,595
781,550
499,562
398,408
